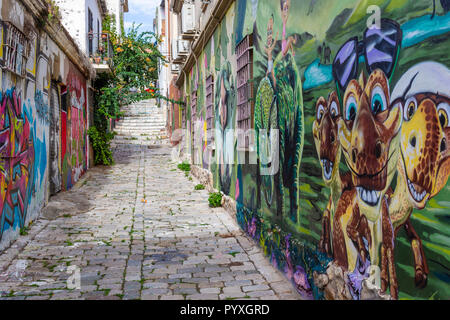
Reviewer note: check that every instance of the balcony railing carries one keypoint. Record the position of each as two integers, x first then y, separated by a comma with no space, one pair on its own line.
100,51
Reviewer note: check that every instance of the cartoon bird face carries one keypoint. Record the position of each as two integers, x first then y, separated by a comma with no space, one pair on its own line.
425,146
424,95
325,132
369,137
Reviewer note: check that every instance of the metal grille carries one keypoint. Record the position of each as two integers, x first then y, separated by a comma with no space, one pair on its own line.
193,111
183,117
17,49
193,106
210,107
244,57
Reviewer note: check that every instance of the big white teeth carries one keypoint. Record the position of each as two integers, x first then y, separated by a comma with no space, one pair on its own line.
415,194
371,197
327,168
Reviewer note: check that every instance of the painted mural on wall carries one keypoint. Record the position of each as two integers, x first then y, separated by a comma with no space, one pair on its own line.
26,115
359,207
225,108
73,129
376,104
24,120
17,161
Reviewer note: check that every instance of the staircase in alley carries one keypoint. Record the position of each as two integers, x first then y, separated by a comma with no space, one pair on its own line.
143,124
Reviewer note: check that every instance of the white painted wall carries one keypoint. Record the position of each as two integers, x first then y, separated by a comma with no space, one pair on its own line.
73,15
75,20
115,7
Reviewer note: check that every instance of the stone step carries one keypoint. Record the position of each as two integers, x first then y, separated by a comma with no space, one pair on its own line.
159,142
139,128
129,121
146,117
141,125
138,137
142,109
152,128
136,122
139,133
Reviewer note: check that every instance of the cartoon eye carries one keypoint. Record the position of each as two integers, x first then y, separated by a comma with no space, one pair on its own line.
410,109
320,112
350,108
444,114
378,103
334,110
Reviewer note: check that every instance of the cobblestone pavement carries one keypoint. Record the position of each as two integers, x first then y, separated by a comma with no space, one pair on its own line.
148,235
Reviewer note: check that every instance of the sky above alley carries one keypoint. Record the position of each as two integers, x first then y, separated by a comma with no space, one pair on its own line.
141,12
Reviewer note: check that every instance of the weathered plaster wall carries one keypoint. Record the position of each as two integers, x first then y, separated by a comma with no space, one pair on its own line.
359,208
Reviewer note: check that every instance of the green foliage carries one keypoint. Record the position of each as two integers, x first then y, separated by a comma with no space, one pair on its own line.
199,187
134,69
185,166
215,199
24,231
133,78
53,12
101,145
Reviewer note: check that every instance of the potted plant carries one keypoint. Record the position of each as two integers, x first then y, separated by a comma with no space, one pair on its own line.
97,59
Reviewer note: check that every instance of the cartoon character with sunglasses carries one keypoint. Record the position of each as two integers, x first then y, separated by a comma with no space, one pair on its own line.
369,136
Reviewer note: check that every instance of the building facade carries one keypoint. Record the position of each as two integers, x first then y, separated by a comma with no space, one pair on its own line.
325,125
44,121
117,8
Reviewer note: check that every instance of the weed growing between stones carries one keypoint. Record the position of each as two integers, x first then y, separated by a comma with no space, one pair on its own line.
199,187
215,199
185,166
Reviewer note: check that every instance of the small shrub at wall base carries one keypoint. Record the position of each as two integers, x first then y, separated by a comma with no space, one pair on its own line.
101,145
215,199
184,167
199,187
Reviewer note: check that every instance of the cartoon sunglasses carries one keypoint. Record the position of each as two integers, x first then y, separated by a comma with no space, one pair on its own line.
380,48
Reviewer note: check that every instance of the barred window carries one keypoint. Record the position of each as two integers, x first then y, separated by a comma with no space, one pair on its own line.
183,117
193,112
193,105
16,48
244,55
210,108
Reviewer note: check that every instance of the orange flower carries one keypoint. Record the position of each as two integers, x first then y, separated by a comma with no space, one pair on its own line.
119,49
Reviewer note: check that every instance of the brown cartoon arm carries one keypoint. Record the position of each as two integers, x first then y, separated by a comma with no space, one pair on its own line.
325,239
357,229
421,266
387,254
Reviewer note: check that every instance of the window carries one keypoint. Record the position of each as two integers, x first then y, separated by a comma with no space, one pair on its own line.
91,32
163,27
193,107
210,108
183,115
98,34
16,48
64,98
244,55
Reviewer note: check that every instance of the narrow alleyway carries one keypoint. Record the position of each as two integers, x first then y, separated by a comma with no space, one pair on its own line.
147,235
